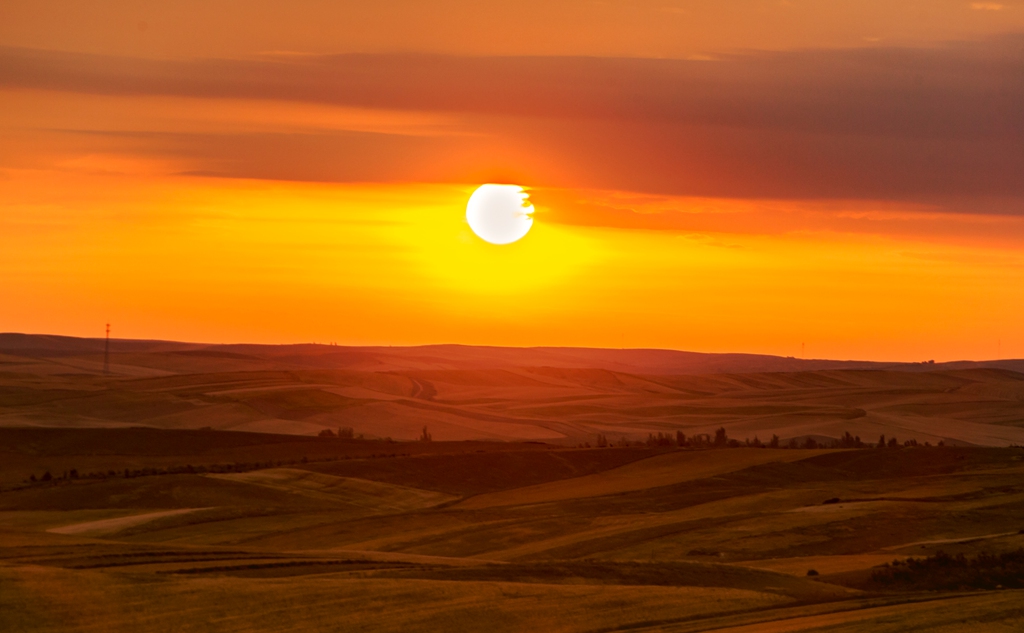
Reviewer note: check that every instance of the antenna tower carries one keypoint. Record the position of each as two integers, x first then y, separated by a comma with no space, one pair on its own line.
106,352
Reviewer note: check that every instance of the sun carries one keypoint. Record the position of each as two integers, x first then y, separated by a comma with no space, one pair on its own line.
499,214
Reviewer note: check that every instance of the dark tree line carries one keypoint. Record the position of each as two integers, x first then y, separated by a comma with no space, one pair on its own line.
721,439
945,572
344,433
189,469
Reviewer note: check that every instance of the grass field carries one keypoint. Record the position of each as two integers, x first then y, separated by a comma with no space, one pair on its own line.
564,396
187,490
477,536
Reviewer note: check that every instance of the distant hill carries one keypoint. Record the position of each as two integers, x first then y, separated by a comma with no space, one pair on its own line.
425,357
564,395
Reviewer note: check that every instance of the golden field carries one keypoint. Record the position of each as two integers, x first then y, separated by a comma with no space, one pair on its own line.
143,499
426,536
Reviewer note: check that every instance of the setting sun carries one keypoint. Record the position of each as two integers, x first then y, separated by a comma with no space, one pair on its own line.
499,214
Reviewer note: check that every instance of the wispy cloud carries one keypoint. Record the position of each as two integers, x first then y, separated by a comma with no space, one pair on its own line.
879,123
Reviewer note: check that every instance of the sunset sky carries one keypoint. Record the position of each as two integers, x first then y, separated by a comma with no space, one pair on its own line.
713,175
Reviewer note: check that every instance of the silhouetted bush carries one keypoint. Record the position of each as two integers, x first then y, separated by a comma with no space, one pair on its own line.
699,440
660,440
721,439
812,572
850,441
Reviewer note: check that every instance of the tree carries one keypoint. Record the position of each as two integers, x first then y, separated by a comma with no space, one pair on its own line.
775,441
346,433
811,443
326,433
660,440
681,439
893,443
426,436
721,439
602,441
47,476
881,441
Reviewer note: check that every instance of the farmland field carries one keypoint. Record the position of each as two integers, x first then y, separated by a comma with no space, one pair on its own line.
550,497
655,539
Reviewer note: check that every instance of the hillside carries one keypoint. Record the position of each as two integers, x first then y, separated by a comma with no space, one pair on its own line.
272,532
471,393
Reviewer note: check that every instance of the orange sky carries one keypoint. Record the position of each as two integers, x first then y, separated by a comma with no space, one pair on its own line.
711,176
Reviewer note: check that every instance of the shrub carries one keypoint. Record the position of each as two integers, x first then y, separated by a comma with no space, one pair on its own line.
721,439
660,440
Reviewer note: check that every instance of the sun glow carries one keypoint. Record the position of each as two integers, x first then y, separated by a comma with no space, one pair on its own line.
242,260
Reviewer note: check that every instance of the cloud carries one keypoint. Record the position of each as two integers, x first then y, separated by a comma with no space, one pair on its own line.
880,123
987,6
702,216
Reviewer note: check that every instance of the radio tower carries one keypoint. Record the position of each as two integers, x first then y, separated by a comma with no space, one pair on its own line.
106,353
